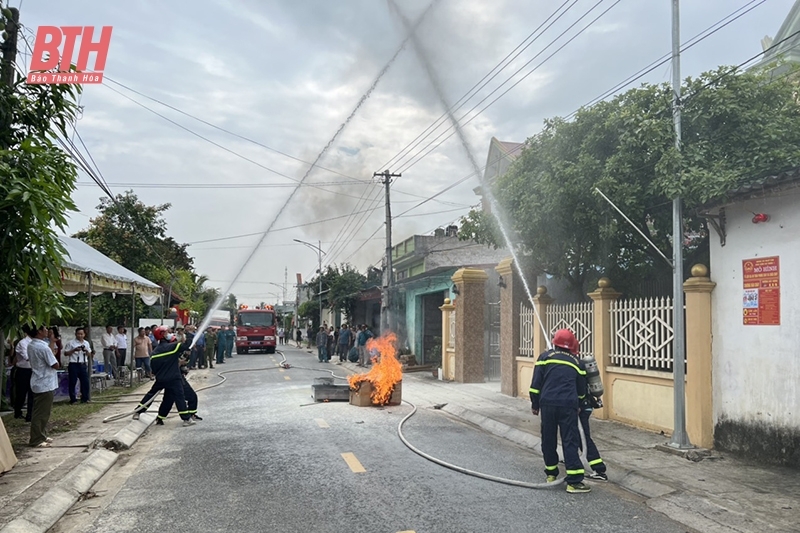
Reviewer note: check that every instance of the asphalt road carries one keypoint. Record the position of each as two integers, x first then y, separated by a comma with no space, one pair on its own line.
264,459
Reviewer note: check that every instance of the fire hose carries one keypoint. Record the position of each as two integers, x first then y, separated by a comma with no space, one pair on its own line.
285,365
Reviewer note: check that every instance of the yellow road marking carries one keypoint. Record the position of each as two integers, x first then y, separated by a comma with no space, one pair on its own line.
353,463
409,531
282,370
287,378
321,423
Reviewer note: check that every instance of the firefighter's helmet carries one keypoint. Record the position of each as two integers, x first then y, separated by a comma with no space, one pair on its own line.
565,339
163,333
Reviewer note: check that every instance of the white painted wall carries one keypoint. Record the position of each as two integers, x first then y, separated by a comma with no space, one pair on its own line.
756,372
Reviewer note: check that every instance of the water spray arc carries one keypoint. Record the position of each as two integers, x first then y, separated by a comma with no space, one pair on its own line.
224,294
434,79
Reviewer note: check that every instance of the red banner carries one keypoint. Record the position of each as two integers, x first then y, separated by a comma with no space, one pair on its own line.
761,303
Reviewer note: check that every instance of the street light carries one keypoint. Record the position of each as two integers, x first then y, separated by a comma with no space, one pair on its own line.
320,253
282,287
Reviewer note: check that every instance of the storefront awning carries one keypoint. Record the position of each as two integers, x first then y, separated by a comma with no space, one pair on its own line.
106,274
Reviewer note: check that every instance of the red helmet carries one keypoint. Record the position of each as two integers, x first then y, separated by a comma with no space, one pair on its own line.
163,333
564,338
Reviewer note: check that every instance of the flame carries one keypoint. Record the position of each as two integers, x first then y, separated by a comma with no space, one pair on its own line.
386,370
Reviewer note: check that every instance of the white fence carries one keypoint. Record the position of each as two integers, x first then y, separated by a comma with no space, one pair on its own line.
641,333
577,317
527,321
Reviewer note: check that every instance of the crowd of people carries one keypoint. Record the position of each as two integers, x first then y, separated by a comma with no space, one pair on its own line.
349,342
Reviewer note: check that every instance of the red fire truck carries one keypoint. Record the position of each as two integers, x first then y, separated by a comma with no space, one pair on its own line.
256,329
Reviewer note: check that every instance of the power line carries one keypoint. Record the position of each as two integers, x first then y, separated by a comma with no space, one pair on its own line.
462,124
343,232
703,35
225,148
274,230
483,81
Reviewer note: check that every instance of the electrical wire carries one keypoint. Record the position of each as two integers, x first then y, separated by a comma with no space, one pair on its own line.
666,58
719,25
226,149
337,249
419,156
501,65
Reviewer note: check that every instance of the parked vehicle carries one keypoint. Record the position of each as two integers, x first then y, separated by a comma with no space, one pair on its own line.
256,329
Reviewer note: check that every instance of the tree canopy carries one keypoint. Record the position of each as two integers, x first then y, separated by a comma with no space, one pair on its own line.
37,180
135,235
737,127
340,287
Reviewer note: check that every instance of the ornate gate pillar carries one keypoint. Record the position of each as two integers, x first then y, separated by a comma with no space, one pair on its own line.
603,296
511,296
470,325
699,397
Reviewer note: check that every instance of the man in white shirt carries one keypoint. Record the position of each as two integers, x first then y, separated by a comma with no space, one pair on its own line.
109,343
78,351
44,382
122,345
22,377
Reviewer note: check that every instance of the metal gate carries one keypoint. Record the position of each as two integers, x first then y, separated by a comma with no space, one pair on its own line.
492,359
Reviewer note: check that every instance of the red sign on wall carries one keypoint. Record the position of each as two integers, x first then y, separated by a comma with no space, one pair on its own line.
761,303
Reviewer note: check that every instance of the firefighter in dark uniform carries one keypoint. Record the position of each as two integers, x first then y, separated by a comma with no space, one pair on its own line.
188,393
165,365
557,389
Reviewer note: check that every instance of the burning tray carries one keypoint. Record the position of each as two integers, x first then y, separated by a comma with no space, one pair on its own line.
363,396
329,392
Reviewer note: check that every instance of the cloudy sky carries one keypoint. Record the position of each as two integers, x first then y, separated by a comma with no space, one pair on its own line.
287,74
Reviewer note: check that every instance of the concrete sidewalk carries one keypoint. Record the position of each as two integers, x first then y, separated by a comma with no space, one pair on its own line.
47,482
712,494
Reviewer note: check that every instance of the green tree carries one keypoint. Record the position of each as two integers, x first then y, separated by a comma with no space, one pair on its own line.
340,288
737,127
135,235
37,180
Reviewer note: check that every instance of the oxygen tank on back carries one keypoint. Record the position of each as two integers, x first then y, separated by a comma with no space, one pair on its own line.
593,382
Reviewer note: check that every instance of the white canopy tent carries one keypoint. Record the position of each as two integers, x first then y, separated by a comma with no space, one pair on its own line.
84,269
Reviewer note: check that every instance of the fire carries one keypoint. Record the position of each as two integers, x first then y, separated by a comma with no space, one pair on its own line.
386,370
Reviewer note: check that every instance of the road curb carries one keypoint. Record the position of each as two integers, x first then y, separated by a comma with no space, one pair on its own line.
126,437
53,504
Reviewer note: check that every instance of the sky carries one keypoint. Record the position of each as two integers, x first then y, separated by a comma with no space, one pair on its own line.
286,75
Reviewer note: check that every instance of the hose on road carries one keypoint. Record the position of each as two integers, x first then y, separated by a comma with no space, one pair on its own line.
467,471
285,365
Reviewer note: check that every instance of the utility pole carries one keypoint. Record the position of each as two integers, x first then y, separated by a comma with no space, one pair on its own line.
387,279
680,439
10,48
285,283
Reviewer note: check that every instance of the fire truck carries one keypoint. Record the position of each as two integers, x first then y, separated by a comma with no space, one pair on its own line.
256,329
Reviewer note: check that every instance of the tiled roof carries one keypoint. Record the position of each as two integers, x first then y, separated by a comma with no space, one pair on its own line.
513,150
760,186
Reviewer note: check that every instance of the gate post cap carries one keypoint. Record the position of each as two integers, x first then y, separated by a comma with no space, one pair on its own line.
541,290
604,283
700,271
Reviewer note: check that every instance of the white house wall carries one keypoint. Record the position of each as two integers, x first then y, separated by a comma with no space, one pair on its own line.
756,369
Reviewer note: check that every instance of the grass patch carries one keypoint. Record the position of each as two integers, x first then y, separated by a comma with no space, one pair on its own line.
64,417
